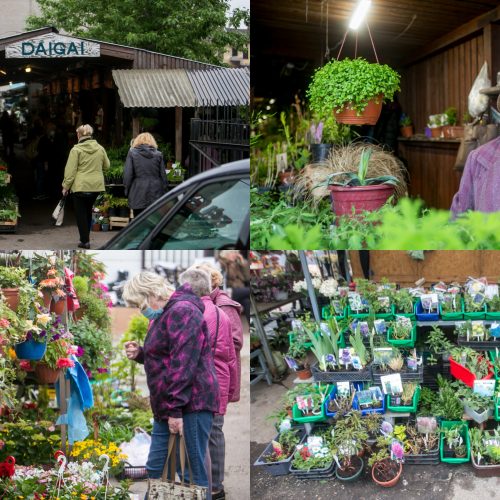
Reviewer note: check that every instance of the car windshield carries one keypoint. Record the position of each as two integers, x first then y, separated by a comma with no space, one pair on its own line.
211,218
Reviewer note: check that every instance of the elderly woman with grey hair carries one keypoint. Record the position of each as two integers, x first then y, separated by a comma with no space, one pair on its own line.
180,371
226,366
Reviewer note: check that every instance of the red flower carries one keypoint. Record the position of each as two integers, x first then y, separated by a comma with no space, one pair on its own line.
25,365
65,363
4,323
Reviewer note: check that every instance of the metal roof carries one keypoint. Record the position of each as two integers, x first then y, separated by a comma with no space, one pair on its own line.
164,88
154,88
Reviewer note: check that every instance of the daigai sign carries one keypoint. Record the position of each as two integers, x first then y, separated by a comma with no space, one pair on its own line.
52,46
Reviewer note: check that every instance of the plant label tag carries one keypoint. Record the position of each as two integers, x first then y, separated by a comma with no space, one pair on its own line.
484,387
391,384
337,307
292,364
324,328
495,330
380,326
281,162
356,363
491,291
343,389
429,301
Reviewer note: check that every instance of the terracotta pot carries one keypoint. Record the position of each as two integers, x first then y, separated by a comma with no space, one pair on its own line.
287,177
436,131
96,227
453,132
45,374
368,198
390,483
369,116
58,307
47,298
304,374
406,131
11,297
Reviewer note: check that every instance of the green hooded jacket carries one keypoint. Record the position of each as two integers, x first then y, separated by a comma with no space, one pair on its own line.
83,172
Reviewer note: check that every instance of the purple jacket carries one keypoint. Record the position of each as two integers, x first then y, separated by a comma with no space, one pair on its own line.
480,184
223,351
178,359
233,312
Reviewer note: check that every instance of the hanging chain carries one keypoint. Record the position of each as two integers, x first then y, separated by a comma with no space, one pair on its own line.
373,44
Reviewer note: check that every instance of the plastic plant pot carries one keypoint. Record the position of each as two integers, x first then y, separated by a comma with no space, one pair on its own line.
452,316
357,315
298,416
485,470
320,152
326,313
323,473
282,467
430,458
411,315
359,469
478,417
404,409
364,412
465,375
425,316
369,116
492,355
403,343
447,424
475,314
31,350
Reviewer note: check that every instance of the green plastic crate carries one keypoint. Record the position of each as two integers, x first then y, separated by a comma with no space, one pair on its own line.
386,316
291,339
475,315
403,343
404,409
494,315
459,315
411,315
350,314
325,313
496,413
296,413
492,355
446,424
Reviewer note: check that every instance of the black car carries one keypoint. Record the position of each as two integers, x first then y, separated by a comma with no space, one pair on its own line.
209,211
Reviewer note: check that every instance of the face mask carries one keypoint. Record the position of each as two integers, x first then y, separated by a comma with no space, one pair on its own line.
151,313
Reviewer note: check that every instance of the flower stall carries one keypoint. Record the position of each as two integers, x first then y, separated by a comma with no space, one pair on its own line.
399,376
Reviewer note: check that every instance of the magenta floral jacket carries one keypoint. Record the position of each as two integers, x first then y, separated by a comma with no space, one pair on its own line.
178,360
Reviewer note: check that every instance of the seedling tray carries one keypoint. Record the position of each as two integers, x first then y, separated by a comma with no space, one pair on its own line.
404,409
403,343
481,345
475,314
277,468
446,424
340,376
452,316
423,316
462,373
406,376
431,458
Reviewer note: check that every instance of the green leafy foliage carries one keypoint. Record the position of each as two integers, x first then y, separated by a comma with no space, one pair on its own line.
353,81
194,30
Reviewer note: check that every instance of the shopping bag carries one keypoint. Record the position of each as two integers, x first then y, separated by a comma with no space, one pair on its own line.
58,213
163,489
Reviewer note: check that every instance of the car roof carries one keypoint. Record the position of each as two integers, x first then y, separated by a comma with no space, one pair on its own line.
240,167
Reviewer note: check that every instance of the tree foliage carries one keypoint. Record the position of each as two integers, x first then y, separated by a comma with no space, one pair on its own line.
193,29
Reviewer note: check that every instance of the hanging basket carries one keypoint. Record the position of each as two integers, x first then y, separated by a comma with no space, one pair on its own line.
31,350
369,116
45,374
11,297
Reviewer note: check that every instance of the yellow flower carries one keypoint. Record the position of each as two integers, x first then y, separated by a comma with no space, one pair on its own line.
83,497
12,353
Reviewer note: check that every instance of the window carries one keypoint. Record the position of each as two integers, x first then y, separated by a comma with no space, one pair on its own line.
234,52
211,218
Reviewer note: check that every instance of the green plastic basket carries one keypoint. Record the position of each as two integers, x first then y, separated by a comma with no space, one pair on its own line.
291,339
297,414
411,315
496,414
454,315
386,316
325,313
476,314
492,355
403,343
446,424
492,314
404,409
350,314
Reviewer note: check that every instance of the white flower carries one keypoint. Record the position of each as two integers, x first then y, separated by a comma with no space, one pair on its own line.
329,288
299,286
43,319
316,283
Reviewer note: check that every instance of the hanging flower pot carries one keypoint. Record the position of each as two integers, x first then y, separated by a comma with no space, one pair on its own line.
58,306
349,115
11,297
47,298
45,374
30,349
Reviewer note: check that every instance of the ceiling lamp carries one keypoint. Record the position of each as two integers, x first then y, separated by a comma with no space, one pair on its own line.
27,69
359,14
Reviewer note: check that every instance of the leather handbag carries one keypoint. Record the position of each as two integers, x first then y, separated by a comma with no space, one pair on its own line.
169,489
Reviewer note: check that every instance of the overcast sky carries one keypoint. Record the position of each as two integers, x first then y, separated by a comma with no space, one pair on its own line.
239,3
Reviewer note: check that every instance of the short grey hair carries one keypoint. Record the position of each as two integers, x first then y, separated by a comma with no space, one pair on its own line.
144,285
199,280
84,131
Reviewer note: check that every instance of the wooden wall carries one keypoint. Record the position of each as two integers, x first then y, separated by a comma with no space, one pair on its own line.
442,80
445,265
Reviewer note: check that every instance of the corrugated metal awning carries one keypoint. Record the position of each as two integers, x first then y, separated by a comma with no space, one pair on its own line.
154,88
166,88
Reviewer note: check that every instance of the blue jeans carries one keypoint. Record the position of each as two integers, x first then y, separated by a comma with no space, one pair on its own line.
197,428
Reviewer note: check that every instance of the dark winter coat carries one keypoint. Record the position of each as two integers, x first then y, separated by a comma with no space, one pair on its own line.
144,176
178,359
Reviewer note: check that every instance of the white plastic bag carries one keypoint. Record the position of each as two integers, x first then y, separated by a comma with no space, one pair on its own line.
137,449
478,103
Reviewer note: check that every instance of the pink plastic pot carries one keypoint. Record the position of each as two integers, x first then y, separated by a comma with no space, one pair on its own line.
369,198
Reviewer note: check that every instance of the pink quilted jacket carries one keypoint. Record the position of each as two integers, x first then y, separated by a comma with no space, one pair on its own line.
223,351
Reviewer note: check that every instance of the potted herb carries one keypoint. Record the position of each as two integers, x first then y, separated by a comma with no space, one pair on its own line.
298,353
485,451
493,307
407,401
353,192
278,454
402,332
438,344
404,304
405,126
451,307
479,408
354,89
445,404
454,447
474,306
11,279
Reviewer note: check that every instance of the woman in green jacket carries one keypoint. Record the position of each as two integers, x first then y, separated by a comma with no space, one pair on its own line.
83,177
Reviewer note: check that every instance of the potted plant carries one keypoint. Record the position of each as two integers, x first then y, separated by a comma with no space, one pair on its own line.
405,126
468,365
404,303
454,447
479,408
407,401
438,344
354,89
387,462
298,352
493,307
11,279
355,192
309,405
451,130
485,451
104,224
324,133
56,359
402,332
436,126
474,306
278,454
314,461
52,288
176,174
422,442
451,307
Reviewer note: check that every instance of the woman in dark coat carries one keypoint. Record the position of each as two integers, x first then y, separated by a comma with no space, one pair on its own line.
144,175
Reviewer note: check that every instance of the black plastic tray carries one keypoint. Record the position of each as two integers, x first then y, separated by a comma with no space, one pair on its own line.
327,472
351,376
485,345
431,458
407,376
